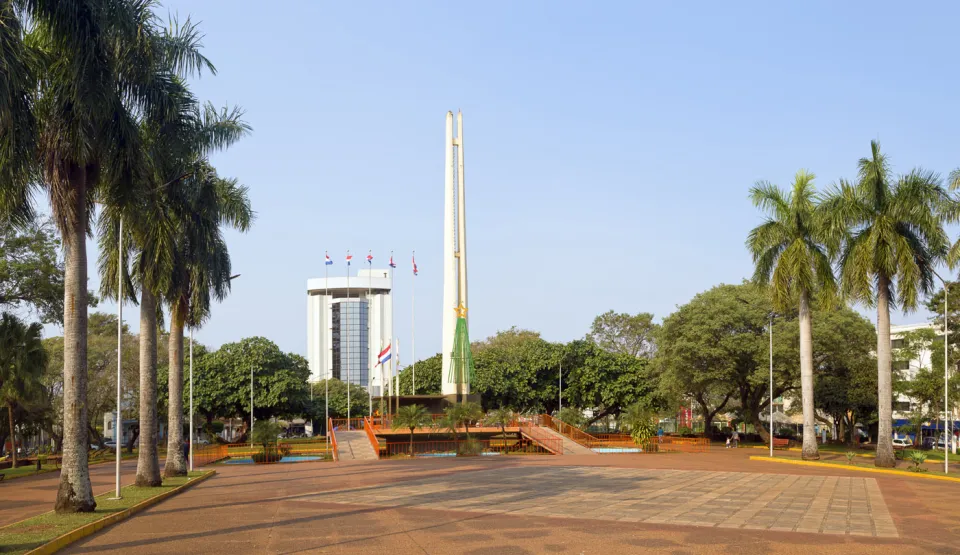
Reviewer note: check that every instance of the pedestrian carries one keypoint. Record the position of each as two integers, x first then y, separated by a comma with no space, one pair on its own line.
736,439
186,450
728,442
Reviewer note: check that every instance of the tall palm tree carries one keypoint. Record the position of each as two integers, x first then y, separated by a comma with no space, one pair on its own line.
889,233
791,258
22,360
171,142
81,71
201,271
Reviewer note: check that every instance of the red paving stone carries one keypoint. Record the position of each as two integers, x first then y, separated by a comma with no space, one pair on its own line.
281,509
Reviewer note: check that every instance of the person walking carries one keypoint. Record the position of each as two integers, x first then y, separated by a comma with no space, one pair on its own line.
735,439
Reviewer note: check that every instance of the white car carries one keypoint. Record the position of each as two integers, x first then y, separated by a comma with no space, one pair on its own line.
942,443
902,443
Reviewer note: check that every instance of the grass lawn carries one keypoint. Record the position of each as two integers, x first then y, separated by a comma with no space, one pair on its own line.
31,533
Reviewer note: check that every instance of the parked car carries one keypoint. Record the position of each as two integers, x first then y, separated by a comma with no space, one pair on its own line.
902,443
928,443
942,443
110,444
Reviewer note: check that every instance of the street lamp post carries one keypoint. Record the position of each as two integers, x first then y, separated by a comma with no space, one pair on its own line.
771,385
948,434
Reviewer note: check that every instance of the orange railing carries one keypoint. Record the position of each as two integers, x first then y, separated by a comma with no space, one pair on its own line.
534,433
347,423
374,442
333,440
576,434
206,454
475,447
624,443
386,422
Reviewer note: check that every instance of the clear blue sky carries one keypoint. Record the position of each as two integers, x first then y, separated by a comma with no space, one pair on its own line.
609,146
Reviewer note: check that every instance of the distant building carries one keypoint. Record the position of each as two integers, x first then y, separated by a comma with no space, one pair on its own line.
903,405
348,323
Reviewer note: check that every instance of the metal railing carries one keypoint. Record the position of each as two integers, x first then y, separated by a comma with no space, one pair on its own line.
534,433
207,454
374,441
346,423
575,434
333,440
464,447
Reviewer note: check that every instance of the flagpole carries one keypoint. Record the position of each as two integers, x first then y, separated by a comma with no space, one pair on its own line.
398,373
370,302
413,327
393,331
326,378
346,341
561,388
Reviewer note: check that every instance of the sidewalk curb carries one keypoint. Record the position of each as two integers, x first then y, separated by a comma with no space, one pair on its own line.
798,450
858,469
60,542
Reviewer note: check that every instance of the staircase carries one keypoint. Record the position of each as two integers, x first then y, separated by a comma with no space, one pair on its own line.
570,447
354,445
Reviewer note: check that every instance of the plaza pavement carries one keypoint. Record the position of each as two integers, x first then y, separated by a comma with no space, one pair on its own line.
678,503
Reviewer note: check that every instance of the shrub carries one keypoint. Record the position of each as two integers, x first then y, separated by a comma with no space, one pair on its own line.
850,457
917,459
685,431
270,456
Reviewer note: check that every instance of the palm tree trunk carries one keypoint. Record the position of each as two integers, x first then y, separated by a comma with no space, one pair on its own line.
809,451
13,437
885,456
75,495
176,464
148,462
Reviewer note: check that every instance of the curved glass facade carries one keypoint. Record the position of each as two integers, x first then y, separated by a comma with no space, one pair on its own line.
350,341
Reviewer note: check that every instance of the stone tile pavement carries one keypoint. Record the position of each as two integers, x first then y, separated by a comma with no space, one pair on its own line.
745,500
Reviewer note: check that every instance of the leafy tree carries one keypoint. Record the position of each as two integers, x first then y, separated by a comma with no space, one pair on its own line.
517,369
359,405
573,417
790,256
428,377
22,360
411,417
719,342
846,384
31,276
624,333
265,433
449,422
221,381
607,383
890,235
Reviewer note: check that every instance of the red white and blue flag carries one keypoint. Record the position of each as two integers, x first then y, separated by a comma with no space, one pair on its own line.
392,263
326,259
415,271
370,258
384,355
349,258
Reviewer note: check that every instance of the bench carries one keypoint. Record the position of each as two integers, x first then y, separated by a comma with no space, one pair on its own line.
781,443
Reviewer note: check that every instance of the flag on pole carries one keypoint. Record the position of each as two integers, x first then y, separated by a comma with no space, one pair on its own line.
414,265
392,263
349,258
326,259
370,258
384,355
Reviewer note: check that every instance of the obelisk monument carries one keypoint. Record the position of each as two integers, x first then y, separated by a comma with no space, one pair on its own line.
454,249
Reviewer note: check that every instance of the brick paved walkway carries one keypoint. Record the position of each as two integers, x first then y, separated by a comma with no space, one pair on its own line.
824,504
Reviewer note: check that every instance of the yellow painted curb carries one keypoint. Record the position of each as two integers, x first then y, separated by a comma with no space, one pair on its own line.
858,469
798,450
60,542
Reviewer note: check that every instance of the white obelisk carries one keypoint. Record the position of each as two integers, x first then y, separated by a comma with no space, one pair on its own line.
454,246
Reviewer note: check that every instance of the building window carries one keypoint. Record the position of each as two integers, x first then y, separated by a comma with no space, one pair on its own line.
350,342
897,343
901,365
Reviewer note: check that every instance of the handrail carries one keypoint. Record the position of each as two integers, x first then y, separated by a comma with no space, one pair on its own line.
576,434
374,442
534,434
333,440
